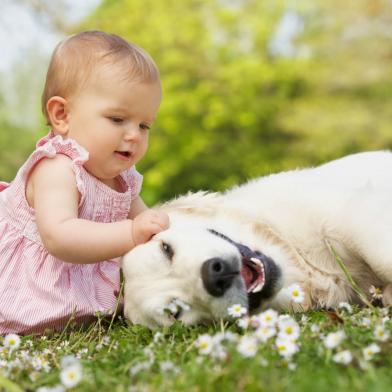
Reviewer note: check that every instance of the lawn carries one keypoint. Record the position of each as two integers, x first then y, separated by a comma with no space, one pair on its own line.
341,350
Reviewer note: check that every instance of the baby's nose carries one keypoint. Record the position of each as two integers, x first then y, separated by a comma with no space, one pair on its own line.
132,133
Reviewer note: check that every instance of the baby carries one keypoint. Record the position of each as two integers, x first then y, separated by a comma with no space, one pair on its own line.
74,206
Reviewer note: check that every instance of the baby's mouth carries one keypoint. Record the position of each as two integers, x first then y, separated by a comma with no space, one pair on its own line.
123,154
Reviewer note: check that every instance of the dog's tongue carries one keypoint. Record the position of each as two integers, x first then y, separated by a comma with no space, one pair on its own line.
247,275
252,272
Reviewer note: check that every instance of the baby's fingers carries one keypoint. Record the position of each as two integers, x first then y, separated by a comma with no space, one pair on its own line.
161,219
164,221
155,228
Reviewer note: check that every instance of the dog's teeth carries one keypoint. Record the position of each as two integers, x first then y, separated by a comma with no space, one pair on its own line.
256,261
258,287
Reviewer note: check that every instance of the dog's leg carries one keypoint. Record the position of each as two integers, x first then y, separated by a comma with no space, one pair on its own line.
366,225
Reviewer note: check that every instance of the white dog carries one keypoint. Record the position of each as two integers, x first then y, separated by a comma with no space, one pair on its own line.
246,246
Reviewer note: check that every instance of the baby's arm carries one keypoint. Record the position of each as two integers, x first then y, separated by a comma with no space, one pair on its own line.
65,236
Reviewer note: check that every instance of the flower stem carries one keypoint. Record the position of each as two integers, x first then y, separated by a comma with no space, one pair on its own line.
346,272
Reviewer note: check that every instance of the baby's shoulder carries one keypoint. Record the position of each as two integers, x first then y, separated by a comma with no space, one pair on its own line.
57,165
49,172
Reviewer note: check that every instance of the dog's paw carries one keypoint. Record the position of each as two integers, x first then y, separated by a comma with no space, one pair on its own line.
387,295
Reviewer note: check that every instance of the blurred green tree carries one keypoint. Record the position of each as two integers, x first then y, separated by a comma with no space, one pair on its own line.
348,103
223,92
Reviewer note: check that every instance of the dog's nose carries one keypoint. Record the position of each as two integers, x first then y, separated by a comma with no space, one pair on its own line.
218,275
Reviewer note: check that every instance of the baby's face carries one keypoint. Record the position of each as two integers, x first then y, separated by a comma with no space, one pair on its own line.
110,118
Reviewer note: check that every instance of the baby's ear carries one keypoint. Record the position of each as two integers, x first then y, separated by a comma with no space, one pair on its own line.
56,108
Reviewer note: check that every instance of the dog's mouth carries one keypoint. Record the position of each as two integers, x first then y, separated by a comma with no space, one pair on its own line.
259,272
253,274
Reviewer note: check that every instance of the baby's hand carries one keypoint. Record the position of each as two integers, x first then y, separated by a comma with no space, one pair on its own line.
148,223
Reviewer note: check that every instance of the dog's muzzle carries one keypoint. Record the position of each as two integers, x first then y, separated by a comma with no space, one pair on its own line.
258,271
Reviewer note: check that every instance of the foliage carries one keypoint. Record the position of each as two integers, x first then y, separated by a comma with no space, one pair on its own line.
132,358
222,92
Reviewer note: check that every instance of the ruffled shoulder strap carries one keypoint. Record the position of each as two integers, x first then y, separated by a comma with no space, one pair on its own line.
133,180
51,145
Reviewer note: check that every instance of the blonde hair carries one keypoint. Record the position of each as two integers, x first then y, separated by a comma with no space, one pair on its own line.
75,59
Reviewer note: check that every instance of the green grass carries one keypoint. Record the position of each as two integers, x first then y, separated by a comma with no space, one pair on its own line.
122,357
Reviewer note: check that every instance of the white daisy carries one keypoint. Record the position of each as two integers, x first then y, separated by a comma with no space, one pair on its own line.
344,357
380,333
375,292
237,310
219,352
12,341
333,339
247,346
286,347
370,351
296,293
205,344
268,318
243,322
284,318
289,329
37,363
265,333
254,321
71,375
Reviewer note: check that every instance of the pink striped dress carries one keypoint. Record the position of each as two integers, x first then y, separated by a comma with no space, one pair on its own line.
38,291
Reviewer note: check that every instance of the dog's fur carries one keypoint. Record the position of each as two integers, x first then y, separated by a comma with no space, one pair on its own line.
294,218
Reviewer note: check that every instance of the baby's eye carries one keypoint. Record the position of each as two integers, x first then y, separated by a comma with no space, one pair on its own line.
116,120
144,126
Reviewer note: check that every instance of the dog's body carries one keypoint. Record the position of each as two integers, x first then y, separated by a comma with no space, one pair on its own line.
292,219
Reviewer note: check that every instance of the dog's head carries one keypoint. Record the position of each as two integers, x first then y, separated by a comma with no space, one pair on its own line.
193,273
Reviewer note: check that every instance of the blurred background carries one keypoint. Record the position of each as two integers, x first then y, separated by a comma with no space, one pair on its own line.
251,87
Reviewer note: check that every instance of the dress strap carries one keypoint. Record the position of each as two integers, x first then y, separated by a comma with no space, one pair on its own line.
51,145
134,181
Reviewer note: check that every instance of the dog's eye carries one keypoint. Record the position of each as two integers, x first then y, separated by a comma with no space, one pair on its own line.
167,249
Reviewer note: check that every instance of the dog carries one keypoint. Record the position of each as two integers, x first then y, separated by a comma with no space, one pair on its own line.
246,246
